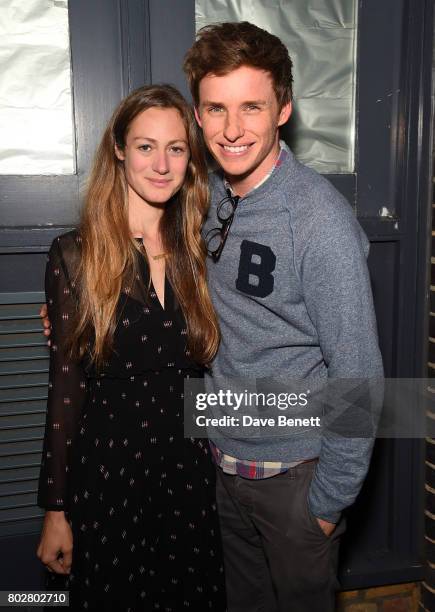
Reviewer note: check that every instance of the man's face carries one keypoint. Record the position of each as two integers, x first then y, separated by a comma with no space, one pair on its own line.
240,117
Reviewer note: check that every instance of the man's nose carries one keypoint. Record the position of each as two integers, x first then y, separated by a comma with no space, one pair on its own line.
233,127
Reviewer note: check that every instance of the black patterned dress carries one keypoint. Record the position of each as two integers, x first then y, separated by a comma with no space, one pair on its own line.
138,495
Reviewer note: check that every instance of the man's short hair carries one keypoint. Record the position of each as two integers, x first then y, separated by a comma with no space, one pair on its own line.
224,47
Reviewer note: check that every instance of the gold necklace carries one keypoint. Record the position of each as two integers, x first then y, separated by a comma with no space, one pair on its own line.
155,257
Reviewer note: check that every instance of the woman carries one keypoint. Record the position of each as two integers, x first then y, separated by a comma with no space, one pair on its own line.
128,500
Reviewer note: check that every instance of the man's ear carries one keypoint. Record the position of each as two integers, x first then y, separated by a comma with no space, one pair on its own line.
119,153
197,116
285,113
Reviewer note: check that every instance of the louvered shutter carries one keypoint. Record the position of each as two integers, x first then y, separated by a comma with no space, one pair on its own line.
23,396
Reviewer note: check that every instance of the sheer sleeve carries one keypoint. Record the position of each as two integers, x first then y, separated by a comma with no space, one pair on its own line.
67,381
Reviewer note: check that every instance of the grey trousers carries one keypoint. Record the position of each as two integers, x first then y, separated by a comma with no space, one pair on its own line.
276,556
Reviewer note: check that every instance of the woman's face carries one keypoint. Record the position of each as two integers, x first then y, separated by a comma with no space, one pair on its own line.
155,155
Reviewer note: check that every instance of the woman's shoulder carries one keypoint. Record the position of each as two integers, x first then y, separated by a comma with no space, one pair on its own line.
69,241
66,249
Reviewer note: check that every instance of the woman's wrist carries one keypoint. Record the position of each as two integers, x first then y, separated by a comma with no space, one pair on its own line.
55,515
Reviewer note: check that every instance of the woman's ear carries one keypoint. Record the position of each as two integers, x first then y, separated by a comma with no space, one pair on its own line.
119,153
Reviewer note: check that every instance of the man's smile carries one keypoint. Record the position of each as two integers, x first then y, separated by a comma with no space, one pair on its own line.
236,149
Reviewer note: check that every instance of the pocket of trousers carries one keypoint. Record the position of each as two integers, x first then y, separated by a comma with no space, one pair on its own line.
315,523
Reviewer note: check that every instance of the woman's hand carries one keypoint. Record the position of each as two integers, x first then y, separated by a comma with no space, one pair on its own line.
56,539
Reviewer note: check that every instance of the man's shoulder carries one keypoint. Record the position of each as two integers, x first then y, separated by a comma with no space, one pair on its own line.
215,181
311,193
317,208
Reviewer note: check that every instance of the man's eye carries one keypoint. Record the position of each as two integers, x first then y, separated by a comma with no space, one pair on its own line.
215,109
252,107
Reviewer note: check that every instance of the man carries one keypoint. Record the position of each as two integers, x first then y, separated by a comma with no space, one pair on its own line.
290,285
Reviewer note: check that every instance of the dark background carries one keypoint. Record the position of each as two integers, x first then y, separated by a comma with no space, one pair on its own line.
118,45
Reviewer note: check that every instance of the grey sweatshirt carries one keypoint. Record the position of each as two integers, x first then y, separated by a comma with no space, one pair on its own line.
293,297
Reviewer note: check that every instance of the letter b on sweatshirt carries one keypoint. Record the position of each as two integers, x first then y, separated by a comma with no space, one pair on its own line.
257,262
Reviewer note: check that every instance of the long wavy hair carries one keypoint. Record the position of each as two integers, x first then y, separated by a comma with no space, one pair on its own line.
109,252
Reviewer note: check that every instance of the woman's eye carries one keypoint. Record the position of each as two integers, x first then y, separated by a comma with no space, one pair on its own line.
145,147
177,150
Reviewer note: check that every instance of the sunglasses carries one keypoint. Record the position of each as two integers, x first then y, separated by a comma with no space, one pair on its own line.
216,237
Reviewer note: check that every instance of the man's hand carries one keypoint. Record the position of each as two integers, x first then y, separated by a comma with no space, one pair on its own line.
326,527
56,544
45,321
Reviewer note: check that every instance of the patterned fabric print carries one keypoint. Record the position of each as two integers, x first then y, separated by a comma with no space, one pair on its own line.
139,497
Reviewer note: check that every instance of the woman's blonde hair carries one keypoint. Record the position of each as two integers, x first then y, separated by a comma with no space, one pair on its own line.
109,252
